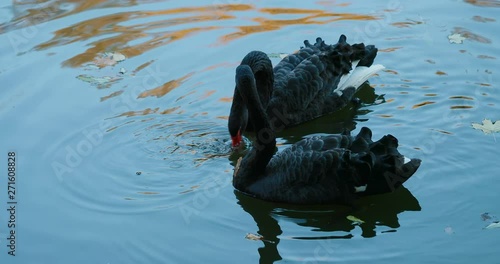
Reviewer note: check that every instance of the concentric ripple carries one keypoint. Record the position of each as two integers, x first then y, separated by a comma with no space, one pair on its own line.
145,164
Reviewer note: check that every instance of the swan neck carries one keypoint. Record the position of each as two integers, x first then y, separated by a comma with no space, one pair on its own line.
246,85
262,70
255,162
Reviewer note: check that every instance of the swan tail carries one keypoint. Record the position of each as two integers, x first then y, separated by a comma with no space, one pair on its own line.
362,68
384,168
370,54
320,45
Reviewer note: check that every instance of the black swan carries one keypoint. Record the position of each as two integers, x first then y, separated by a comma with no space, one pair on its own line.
316,170
315,81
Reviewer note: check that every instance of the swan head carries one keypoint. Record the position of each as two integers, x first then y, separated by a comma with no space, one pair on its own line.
255,72
238,118
236,139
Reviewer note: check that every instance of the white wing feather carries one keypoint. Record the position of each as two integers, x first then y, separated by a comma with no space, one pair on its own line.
355,78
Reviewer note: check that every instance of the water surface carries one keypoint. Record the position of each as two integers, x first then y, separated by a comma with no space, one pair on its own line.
126,159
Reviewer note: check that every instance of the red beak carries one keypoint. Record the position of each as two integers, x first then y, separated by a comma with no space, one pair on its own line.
237,139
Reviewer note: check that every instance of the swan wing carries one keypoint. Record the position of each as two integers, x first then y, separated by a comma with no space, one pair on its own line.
312,89
287,64
304,175
335,168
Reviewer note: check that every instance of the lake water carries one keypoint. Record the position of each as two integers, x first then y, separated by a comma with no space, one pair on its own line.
116,113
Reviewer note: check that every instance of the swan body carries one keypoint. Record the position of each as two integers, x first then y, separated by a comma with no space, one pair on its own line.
315,170
317,80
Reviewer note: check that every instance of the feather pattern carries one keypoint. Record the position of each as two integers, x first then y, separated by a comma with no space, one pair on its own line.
305,85
315,170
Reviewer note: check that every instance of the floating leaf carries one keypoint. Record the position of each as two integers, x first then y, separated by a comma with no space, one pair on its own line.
487,127
355,219
255,237
116,56
95,80
91,67
100,82
456,38
493,225
485,216
108,59
250,236
102,62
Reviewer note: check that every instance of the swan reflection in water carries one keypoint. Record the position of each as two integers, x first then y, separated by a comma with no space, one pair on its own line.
376,211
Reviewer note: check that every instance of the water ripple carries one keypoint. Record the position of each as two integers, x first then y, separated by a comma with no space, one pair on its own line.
143,165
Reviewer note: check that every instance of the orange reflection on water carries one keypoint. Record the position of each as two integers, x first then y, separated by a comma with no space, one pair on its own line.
226,99
407,23
470,35
462,97
170,110
142,66
422,104
165,88
389,49
221,65
148,193
442,131
441,73
311,16
184,96
486,57
207,94
391,71
32,13
483,19
149,111
104,98
331,3
146,111
112,25
485,3
117,31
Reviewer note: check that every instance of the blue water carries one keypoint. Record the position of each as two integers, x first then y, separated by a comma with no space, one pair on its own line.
127,160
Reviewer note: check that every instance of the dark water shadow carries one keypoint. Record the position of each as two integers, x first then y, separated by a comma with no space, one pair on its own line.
335,123
345,119
326,221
